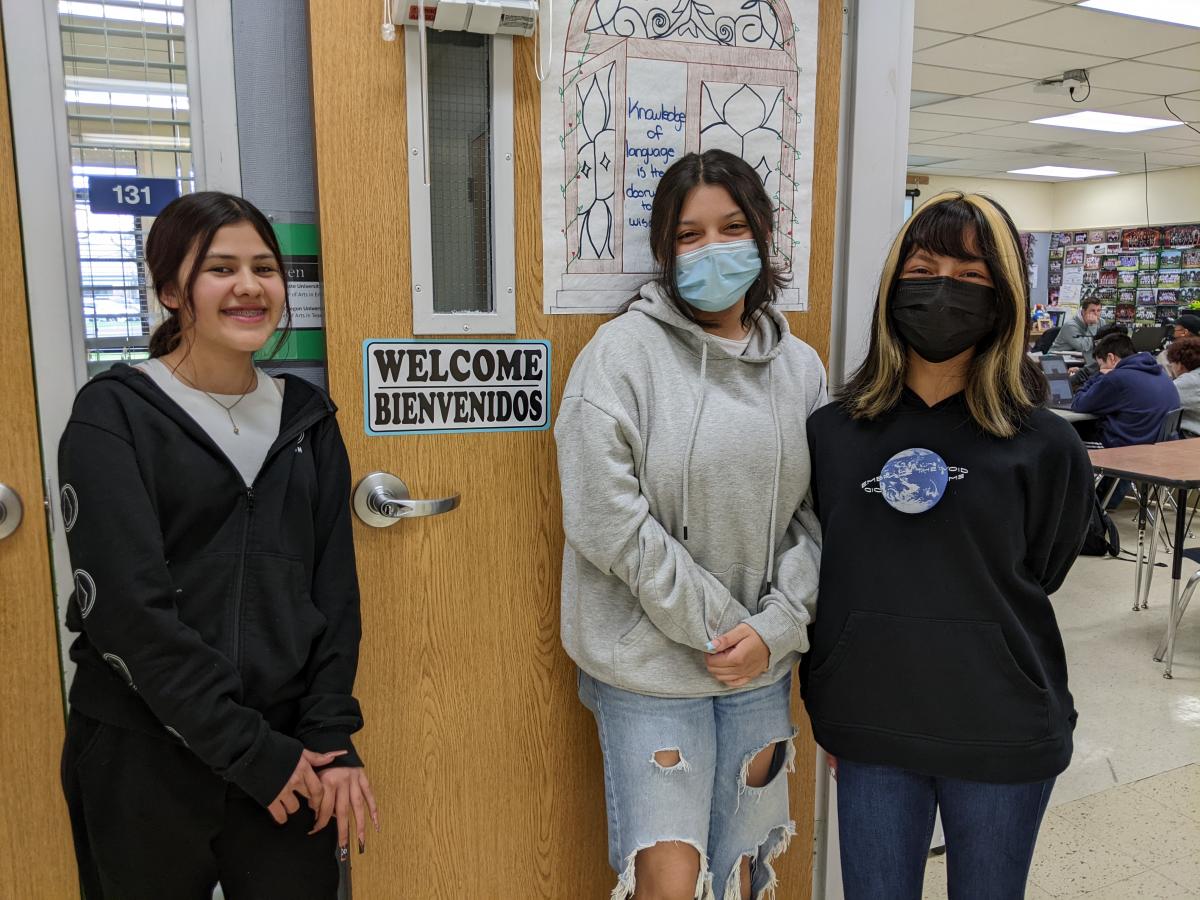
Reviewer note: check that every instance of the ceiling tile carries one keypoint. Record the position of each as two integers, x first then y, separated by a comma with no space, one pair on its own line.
930,122
1184,57
1176,160
1050,134
1091,31
957,81
1100,98
1007,110
927,37
1005,58
971,16
1138,76
1154,108
939,170
921,136
919,99
946,151
986,141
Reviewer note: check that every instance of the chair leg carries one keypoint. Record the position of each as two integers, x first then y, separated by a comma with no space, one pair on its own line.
1184,600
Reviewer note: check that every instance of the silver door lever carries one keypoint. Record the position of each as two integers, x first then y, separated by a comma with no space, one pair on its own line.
10,511
381,500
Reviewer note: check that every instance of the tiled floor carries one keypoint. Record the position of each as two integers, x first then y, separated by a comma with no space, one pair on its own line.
1124,820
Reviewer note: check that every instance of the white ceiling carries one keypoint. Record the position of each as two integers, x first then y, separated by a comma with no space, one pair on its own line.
975,65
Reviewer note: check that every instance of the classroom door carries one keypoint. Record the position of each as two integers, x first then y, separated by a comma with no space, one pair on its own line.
35,839
486,766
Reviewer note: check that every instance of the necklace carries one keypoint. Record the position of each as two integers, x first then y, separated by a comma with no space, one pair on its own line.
228,409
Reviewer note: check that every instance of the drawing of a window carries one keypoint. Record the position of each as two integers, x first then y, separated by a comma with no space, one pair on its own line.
595,136
645,82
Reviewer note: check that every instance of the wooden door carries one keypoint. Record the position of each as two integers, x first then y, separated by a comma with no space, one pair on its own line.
35,839
487,768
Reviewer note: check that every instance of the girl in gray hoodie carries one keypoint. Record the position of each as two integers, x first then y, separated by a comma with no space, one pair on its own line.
690,565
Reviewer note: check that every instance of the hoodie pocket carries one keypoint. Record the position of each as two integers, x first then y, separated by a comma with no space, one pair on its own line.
944,679
280,626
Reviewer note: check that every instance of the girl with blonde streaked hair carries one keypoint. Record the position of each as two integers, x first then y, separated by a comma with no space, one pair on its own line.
952,504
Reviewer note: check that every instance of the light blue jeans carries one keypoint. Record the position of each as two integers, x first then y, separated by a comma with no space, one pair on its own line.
703,801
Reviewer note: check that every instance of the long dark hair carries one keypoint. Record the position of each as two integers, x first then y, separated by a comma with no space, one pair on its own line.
716,167
190,223
1003,384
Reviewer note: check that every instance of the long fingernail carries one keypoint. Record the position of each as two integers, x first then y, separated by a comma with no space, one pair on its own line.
343,853
362,848
710,646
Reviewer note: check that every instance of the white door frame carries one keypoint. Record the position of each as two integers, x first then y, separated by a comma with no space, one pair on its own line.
877,49
47,209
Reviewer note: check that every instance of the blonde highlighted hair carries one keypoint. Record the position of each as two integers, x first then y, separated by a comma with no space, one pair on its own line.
1003,385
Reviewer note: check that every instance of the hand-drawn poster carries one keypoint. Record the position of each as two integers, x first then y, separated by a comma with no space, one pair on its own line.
636,84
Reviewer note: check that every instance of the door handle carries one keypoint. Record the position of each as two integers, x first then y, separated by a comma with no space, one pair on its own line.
10,511
381,500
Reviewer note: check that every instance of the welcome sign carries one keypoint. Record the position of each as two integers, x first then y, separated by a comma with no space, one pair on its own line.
418,386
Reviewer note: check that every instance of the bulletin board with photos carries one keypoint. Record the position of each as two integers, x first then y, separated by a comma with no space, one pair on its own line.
1141,276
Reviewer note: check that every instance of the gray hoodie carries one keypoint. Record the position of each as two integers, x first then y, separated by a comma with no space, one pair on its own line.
685,475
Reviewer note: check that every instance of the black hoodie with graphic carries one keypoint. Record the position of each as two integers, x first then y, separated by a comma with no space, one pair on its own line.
935,647
209,612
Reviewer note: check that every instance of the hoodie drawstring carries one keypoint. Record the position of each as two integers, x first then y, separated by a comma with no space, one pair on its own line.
687,461
778,469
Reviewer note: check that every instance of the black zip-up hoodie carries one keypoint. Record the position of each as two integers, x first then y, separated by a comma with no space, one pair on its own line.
935,647
222,616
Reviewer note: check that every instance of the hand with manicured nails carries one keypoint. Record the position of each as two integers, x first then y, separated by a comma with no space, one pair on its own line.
738,656
305,783
347,788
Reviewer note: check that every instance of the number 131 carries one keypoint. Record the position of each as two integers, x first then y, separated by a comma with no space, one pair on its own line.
131,194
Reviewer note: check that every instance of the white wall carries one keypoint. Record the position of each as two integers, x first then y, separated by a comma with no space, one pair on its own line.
1121,200
1030,203
1090,203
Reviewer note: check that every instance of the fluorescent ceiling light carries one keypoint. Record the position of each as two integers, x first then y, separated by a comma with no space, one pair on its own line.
1061,172
136,141
1177,12
1102,121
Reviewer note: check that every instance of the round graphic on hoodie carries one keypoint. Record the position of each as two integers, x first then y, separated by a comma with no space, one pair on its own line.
70,507
85,592
118,666
914,481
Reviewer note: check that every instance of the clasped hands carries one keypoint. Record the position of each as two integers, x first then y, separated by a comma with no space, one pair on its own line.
738,656
328,792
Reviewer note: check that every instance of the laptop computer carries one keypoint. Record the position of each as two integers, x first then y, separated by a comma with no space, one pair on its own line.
1149,339
1055,370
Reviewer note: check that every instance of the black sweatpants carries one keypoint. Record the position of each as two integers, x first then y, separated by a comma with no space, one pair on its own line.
150,821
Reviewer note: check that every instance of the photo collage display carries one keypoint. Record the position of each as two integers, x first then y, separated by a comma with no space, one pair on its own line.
1140,275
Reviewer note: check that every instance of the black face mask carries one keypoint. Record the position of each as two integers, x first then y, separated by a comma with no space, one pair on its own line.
942,317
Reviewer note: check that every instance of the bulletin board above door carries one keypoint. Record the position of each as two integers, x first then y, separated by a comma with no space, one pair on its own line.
633,85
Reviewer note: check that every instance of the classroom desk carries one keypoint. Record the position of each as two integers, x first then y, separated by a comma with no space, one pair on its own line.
1072,417
1170,465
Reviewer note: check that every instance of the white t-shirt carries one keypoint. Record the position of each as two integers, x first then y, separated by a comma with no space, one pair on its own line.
257,416
731,346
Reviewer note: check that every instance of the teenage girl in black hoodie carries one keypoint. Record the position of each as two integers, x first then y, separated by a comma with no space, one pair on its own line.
952,505
216,599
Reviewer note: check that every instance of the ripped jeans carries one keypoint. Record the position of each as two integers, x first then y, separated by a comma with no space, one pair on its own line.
703,800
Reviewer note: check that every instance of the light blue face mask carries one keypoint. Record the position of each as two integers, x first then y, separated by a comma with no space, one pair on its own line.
716,276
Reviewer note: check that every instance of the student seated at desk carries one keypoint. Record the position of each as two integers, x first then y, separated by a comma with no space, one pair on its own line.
1183,362
1079,376
1078,335
1186,326
1131,394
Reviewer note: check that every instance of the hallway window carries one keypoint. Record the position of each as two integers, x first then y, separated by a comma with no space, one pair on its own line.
126,93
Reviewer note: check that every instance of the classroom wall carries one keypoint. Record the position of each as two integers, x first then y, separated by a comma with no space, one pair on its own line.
1030,203
1119,200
